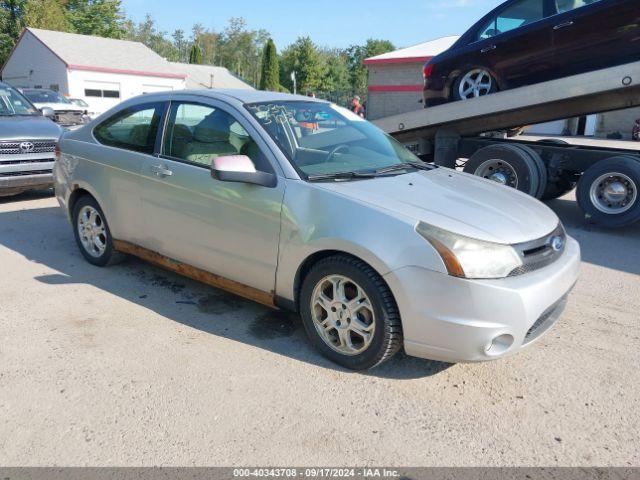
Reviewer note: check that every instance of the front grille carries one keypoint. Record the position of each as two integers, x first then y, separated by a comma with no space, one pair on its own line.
540,253
27,146
25,174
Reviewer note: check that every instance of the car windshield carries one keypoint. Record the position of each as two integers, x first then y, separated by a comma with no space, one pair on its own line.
12,103
79,102
322,139
45,96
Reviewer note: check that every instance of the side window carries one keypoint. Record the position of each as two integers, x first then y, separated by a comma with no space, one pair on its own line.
568,5
200,133
134,128
515,16
520,14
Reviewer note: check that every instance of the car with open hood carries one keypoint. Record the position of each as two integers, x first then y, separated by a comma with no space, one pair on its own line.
67,113
299,204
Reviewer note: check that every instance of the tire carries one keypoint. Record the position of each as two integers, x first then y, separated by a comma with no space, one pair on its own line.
96,233
516,165
379,313
470,74
609,192
543,177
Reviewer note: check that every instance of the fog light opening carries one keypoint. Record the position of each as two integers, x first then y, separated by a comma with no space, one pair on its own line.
499,345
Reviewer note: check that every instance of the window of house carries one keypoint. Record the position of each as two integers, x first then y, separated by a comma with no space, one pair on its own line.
134,128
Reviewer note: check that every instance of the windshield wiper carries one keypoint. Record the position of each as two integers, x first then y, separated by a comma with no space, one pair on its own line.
341,176
404,166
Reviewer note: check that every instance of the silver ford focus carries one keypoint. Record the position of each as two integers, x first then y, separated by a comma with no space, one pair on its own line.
299,204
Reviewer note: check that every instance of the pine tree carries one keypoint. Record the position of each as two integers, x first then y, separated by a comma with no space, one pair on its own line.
269,76
195,54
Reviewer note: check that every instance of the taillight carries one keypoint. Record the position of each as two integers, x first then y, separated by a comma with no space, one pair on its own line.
427,70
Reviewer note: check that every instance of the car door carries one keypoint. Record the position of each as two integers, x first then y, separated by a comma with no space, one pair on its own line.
516,44
125,141
230,229
593,35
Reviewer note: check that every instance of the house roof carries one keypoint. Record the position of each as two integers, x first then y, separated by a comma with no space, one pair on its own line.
86,52
209,76
417,53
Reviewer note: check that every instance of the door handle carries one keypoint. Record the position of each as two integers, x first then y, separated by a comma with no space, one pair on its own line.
488,49
563,25
161,171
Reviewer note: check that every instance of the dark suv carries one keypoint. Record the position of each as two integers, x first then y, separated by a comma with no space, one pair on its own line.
523,42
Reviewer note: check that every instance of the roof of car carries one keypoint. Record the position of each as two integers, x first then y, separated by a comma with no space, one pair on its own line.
250,96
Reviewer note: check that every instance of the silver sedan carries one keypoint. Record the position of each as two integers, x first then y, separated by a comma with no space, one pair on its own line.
299,204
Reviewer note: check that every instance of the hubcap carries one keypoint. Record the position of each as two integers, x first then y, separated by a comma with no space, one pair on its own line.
476,83
343,315
499,172
92,232
613,193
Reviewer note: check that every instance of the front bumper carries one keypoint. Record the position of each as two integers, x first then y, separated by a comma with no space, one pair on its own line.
458,320
20,183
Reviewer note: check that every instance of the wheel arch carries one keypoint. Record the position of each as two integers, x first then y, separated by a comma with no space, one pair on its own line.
312,259
78,190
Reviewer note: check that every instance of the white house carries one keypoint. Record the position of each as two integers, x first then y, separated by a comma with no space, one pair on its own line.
102,71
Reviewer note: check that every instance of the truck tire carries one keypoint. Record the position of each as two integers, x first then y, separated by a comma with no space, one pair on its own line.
609,192
349,313
541,167
508,165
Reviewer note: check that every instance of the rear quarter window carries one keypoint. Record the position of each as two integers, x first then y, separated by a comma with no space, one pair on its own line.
135,128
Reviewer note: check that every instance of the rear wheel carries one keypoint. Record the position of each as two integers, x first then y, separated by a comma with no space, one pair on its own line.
349,313
473,84
92,233
507,165
609,192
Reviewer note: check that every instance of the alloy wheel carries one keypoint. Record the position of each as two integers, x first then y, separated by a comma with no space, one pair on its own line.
92,231
476,83
343,315
613,193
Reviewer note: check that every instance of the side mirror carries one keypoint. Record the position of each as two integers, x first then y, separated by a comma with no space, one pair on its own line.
47,112
240,169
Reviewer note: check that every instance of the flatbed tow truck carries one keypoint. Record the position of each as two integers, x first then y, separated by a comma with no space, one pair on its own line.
471,134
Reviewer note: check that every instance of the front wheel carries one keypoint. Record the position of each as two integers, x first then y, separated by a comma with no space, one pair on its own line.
473,84
349,313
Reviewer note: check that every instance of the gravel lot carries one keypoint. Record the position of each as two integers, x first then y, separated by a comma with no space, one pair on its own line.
132,365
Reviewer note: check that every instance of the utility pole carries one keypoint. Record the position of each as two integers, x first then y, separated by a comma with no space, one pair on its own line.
295,86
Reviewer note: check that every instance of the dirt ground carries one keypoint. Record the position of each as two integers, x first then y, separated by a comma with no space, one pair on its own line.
132,365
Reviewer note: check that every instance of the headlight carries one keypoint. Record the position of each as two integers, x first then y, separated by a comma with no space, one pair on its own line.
469,258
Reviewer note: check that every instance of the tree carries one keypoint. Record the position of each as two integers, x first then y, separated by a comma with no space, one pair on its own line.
304,58
269,76
195,54
103,18
146,32
11,24
357,54
48,14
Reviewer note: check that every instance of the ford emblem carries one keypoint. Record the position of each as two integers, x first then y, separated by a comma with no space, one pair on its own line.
557,243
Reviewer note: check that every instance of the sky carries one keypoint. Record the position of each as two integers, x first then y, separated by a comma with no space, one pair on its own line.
331,23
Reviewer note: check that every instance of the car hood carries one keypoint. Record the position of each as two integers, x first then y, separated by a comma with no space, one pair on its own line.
61,107
457,202
28,128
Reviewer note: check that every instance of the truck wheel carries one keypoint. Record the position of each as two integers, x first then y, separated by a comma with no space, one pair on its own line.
608,192
349,313
540,166
92,233
508,165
